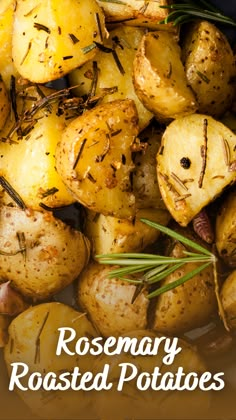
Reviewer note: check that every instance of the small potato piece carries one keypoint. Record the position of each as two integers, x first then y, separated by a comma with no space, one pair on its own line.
39,254
228,299
28,157
195,163
187,306
108,302
4,324
210,67
145,185
113,82
111,235
33,339
137,13
226,230
159,77
7,68
94,158
48,43
4,103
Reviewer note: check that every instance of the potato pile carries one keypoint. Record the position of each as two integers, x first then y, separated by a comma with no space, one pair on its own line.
136,128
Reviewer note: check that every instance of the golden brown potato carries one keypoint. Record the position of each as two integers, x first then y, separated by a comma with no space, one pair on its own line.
33,338
137,13
188,306
226,230
195,163
94,158
110,77
210,67
145,185
132,402
108,302
108,234
4,324
48,43
159,77
27,149
228,299
4,103
7,68
39,254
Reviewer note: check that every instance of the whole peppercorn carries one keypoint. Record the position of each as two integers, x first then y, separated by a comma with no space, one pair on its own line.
185,162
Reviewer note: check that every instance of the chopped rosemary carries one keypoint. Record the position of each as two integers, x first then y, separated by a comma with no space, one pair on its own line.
155,268
188,10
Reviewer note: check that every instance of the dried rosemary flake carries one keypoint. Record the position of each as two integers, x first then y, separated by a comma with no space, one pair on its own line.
118,63
113,1
37,342
41,27
26,54
203,77
73,38
88,48
12,193
79,153
48,192
203,152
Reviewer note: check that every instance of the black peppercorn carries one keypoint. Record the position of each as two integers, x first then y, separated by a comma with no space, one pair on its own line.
185,162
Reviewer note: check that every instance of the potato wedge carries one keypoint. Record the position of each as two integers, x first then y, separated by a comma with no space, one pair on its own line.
159,77
108,234
48,43
24,346
108,302
194,165
28,153
4,103
188,306
40,255
7,68
110,77
210,67
226,230
94,158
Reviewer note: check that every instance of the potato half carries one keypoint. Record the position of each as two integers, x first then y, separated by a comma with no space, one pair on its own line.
94,158
159,77
195,163
52,38
40,255
226,230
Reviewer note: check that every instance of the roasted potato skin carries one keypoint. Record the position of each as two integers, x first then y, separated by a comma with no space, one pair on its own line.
113,79
44,48
49,256
226,230
159,77
94,158
108,302
210,67
189,181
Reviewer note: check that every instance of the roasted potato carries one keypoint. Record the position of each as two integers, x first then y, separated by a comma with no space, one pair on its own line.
195,163
4,324
188,306
228,299
27,149
7,68
137,13
226,230
210,67
108,302
110,76
145,185
4,103
40,255
150,403
33,338
108,234
48,43
159,77
94,158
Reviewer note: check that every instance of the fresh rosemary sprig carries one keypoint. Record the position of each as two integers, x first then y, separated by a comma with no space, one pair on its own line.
187,11
155,268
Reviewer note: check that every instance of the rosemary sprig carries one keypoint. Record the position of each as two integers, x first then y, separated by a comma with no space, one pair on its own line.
155,268
187,11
